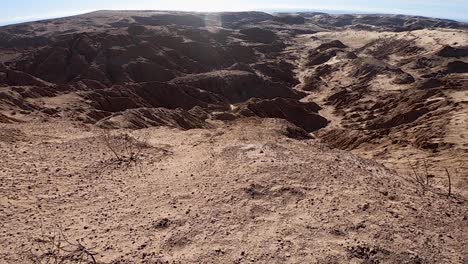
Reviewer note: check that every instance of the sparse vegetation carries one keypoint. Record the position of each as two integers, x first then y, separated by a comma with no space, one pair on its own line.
424,180
55,248
449,182
125,148
420,179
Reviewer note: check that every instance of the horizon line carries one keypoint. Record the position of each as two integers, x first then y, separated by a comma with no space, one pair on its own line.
24,20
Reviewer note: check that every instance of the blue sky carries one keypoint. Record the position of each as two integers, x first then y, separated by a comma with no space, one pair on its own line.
28,10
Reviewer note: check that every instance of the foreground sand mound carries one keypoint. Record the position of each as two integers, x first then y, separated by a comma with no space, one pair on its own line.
243,193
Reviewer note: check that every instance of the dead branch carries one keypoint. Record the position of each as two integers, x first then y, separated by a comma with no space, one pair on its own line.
57,248
449,182
418,178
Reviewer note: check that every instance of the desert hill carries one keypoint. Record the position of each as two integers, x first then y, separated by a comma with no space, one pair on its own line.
246,137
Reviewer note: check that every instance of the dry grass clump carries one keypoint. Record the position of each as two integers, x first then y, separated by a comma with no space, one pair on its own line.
54,247
125,148
424,179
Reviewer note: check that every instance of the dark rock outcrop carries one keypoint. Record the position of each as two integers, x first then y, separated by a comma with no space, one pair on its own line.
332,44
457,67
237,86
453,52
304,115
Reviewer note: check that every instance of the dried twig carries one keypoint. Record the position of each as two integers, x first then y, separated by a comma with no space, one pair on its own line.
427,172
449,182
418,178
56,248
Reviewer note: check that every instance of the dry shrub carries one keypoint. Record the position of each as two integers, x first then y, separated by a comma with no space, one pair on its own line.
54,247
420,179
125,148
424,179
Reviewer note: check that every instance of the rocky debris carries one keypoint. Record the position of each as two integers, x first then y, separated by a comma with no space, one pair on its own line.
303,115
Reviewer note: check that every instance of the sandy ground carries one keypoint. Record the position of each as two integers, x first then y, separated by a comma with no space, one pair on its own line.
239,193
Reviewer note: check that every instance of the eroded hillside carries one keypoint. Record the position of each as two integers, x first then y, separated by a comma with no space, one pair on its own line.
172,137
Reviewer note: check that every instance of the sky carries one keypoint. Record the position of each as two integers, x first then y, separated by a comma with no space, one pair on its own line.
16,11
